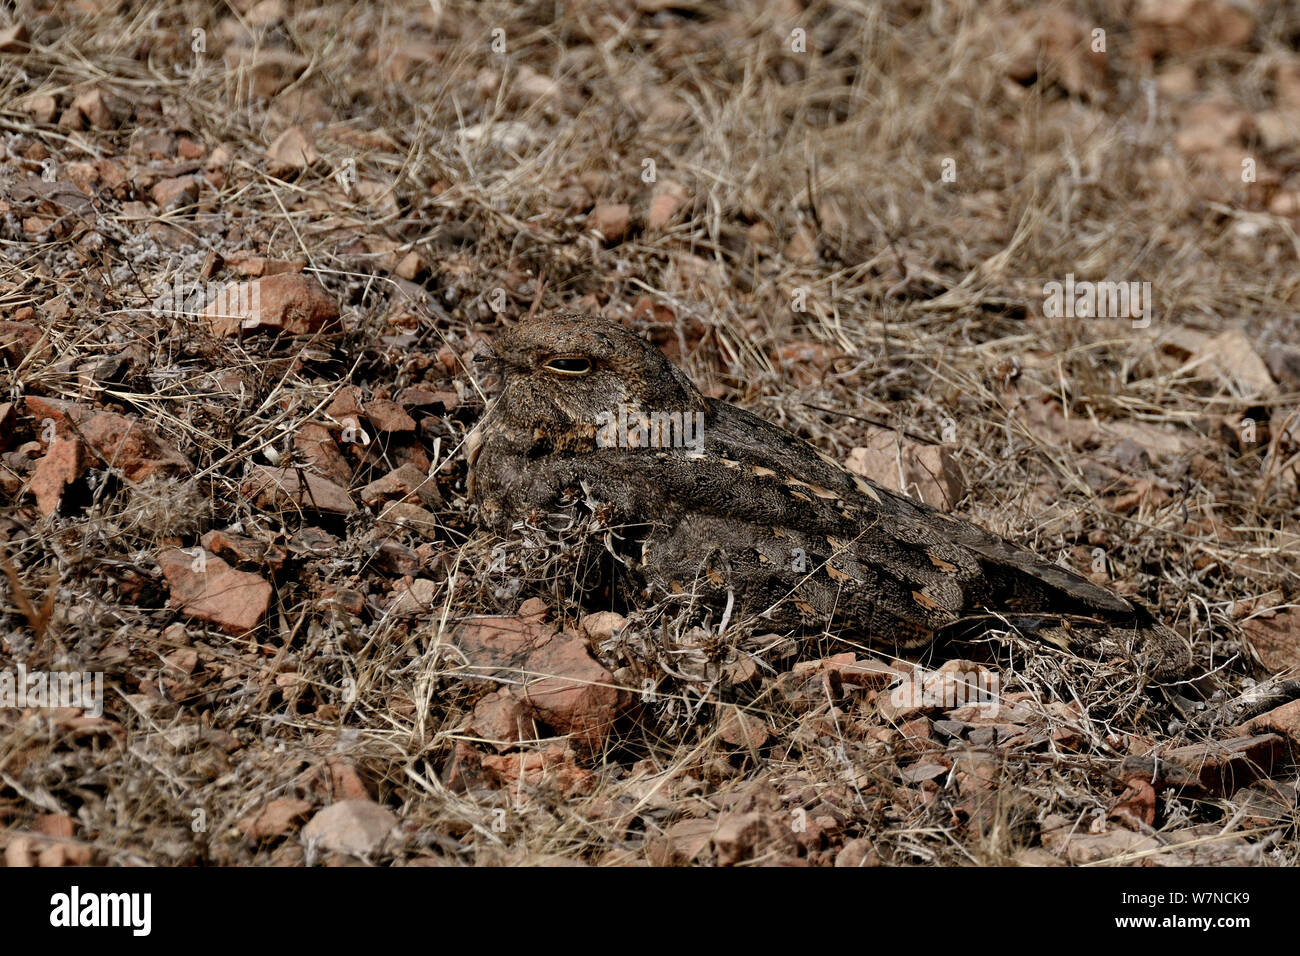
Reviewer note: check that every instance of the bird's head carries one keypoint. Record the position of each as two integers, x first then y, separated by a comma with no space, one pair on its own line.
565,369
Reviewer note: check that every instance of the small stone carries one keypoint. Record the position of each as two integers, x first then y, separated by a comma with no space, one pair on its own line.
743,730
388,416
406,483
412,517
413,599
41,107
315,443
287,303
1223,766
668,198
62,465
418,396
356,827
929,473
857,852
610,220
131,447
292,151
501,720
1230,359
179,191
1283,720
58,825
395,558
285,489
93,106
568,689
602,625
205,587
275,819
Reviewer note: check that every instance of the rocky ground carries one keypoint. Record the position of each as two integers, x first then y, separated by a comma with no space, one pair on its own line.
248,252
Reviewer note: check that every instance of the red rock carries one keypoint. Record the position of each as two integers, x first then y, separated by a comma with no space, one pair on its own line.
291,151
131,447
569,690
93,106
275,819
552,766
610,220
810,690
1276,640
740,836
63,464
413,517
865,673
291,304
395,558
406,483
239,549
857,852
420,397
561,684
667,199
40,107
345,782
17,339
316,445
285,489
1080,846
743,730
492,643
350,599
265,14
1137,805
19,851
356,827
409,266
682,843
388,416
501,720
602,625
182,661
209,589
930,473
179,191
1283,720
346,405
413,598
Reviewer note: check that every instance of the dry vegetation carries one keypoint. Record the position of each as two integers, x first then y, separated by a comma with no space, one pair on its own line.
800,252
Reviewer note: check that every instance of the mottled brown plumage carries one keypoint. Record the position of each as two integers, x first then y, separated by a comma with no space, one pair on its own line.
757,516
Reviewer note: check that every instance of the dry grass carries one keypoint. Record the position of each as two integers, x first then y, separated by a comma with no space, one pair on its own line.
812,177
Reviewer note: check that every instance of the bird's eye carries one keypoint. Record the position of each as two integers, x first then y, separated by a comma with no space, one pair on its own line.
569,365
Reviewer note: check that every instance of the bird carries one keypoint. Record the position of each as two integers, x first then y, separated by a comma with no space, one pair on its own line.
715,506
